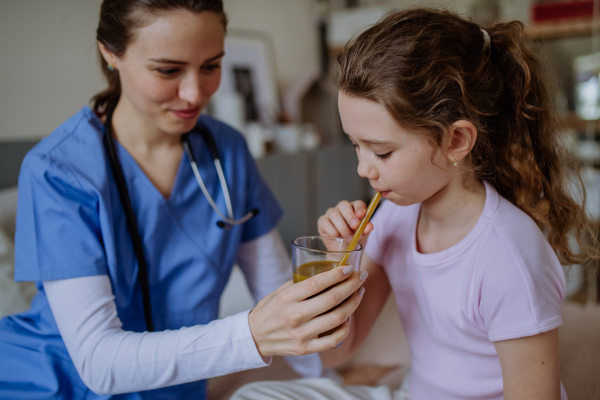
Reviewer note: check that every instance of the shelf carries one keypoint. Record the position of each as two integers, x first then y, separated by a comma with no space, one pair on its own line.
580,125
561,29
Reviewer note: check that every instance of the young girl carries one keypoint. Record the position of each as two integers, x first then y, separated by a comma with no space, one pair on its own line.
454,125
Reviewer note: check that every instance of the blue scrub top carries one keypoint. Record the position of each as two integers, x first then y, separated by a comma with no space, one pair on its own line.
70,223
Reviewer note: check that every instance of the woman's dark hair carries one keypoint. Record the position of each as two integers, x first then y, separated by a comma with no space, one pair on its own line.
118,21
431,68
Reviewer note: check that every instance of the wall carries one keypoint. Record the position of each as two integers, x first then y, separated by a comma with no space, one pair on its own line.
49,65
48,69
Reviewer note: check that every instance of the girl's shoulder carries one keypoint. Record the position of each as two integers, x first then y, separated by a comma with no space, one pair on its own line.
516,234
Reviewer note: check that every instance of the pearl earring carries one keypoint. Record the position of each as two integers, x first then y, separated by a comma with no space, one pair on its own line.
455,162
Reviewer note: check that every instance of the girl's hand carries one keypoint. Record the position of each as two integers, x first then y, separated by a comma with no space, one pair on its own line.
289,320
343,219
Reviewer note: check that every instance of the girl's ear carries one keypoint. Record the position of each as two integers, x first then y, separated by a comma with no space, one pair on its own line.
462,136
108,55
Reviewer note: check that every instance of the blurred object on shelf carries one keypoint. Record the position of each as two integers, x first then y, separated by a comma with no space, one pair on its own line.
589,151
293,138
560,29
249,70
287,138
255,137
485,12
296,91
344,24
229,107
591,179
587,86
310,138
573,121
561,10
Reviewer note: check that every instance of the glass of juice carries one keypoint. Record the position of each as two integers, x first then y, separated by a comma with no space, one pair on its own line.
312,255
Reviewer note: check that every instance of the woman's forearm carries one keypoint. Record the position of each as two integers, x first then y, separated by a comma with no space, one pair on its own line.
111,361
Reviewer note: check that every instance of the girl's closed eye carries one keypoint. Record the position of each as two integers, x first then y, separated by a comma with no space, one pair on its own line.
384,156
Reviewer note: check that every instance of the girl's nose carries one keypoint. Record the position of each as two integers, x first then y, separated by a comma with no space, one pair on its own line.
190,90
366,169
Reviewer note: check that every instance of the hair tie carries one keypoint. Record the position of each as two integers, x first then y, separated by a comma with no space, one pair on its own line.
486,38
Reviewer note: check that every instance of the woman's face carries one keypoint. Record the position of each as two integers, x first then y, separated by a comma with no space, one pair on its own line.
396,162
171,69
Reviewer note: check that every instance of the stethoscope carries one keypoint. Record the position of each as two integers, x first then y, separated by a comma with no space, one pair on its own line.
226,222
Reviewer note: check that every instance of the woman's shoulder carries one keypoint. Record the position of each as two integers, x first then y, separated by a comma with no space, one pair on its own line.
74,148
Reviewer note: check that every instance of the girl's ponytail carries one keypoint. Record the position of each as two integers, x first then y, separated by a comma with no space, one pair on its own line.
533,165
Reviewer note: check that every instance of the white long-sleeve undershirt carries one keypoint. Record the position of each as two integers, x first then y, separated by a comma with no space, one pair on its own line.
111,360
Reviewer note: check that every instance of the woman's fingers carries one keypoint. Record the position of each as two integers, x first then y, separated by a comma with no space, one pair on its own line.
328,342
317,283
334,295
335,317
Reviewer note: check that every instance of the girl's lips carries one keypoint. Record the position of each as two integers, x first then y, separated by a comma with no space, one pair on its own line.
385,193
186,114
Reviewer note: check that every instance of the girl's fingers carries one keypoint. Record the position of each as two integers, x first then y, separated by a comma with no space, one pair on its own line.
340,223
368,228
326,227
349,214
360,208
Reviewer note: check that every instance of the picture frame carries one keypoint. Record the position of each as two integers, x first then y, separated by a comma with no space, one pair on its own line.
249,70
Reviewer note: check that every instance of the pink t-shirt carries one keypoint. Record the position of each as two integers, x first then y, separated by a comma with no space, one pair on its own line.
502,281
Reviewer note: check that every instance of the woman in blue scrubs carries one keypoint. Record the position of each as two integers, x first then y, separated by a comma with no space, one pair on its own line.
86,334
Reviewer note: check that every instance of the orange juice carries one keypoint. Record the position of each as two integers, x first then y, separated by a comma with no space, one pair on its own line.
313,268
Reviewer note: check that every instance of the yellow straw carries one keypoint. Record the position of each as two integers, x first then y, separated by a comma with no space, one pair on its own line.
361,227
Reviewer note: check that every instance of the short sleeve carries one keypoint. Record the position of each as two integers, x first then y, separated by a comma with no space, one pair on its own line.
58,231
518,295
259,197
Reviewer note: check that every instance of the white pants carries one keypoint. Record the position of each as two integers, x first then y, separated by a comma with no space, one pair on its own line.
317,389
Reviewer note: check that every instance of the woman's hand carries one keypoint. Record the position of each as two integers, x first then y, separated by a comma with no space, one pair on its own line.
343,219
289,320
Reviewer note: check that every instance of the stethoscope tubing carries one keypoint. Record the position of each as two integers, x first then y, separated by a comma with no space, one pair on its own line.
138,247
229,220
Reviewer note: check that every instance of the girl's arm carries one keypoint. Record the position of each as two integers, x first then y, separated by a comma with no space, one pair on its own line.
530,368
341,221
377,290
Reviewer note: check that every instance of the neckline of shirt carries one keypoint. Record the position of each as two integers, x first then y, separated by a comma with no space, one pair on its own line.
489,208
139,174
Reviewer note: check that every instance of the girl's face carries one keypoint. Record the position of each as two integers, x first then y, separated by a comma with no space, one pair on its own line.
396,162
171,69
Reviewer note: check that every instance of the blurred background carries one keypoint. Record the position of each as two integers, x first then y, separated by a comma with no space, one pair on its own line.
277,89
